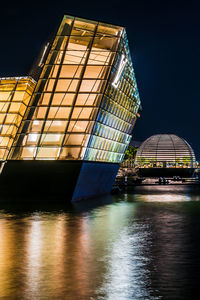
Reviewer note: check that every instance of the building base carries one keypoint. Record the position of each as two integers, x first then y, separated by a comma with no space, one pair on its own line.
166,172
61,180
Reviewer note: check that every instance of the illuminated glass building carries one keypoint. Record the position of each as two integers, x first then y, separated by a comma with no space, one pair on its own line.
165,155
82,113
15,95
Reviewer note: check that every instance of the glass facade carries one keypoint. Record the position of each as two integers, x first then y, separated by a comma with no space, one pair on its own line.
15,95
85,103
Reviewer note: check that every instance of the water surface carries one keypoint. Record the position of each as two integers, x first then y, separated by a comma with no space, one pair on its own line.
142,245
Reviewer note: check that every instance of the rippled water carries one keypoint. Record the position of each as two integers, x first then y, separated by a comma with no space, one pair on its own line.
143,245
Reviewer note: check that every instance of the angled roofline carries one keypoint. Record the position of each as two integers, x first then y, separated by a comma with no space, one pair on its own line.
92,20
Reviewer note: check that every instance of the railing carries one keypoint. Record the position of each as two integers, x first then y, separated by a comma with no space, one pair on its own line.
128,163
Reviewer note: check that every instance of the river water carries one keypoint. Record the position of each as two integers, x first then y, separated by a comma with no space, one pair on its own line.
141,245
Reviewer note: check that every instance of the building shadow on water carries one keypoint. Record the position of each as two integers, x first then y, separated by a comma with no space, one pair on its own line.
30,204
49,203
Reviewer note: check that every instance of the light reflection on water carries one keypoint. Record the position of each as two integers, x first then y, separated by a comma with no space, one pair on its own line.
163,198
136,246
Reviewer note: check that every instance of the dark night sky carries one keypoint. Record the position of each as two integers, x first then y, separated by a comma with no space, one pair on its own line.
165,44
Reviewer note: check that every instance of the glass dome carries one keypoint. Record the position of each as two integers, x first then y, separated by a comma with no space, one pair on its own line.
165,150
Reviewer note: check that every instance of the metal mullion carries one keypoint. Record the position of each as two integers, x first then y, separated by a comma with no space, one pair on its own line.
78,88
52,93
87,106
81,119
5,101
70,106
174,149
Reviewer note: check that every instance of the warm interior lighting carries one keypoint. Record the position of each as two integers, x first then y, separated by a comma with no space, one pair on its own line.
15,94
32,137
81,113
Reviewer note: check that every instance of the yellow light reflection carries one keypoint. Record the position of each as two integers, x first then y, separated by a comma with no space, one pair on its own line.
5,259
34,247
46,241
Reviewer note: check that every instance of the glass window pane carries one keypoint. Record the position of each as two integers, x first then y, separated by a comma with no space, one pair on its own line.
51,139
70,71
78,126
55,126
86,99
74,139
90,85
66,85
59,112
40,112
70,153
95,72
82,112
45,152
28,152
63,99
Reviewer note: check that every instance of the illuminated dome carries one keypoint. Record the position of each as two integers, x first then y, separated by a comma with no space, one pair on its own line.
166,151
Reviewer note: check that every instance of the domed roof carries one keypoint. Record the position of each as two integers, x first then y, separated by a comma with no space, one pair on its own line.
165,148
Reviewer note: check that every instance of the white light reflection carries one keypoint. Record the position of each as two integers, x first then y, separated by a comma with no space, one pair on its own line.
164,198
165,194
126,276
